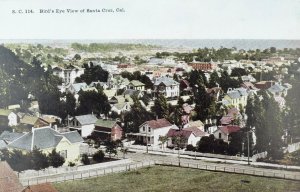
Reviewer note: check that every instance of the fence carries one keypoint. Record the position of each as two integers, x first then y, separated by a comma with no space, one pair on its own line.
292,147
84,174
191,153
226,169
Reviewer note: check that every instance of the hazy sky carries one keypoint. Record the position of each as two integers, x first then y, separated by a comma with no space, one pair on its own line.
150,19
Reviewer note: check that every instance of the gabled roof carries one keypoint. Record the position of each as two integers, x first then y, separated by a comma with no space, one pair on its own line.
276,88
105,123
3,145
237,93
166,81
5,112
131,92
230,129
86,119
196,131
159,123
136,83
9,136
179,133
30,120
110,93
78,86
44,138
8,179
197,123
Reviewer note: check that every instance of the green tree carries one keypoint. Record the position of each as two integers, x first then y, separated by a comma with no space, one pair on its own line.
160,107
39,159
111,148
98,156
85,159
55,159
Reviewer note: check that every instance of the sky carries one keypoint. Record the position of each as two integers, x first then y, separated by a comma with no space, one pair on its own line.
152,19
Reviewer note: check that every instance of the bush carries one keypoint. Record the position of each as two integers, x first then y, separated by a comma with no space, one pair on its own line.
71,164
99,156
190,148
85,159
55,159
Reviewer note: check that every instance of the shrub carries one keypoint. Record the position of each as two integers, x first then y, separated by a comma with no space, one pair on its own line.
85,159
190,148
71,164
55,159
99,156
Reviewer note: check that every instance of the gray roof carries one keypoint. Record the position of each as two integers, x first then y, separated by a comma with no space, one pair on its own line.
131,92
44,138
86,119
78,86
165,80
237,93
9,136
2,144
276,88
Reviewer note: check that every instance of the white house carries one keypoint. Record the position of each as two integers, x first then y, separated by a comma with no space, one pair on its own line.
9,116
223,132
236,97
190,135
150,131
68,74
85,124
166,86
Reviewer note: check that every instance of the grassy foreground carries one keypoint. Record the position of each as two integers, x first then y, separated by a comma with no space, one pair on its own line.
171,179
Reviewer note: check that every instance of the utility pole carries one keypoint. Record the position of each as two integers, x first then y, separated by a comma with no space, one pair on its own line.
147,129
248,147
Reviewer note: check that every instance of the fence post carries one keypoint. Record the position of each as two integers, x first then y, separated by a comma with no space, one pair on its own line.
234,169
215,167
104,171
81,175
112,170
197,166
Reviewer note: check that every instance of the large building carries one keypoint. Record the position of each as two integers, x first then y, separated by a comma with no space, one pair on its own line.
203,66
68,74
166,86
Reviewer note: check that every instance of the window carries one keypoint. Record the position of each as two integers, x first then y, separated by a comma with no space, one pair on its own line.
149,129
63,153
148,139
220,136
143,128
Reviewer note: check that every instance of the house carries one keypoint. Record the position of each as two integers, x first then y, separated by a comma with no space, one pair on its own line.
76,87
236,97
84,124
264,85
278,90
185,86
109,93
68,74
98,83
9,137
250,87
121,103
132,92
190,135
9,181
150,131
117,82
166,86
214,92
43,187
32,121
136,85
46,139
197,124
223,131
108,129
8,117
232,115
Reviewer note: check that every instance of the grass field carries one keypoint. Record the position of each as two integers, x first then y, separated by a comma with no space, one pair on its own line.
171,179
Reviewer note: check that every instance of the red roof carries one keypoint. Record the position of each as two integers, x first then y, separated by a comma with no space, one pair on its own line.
196,131
159,123
230,129
8,179
176,133
45,187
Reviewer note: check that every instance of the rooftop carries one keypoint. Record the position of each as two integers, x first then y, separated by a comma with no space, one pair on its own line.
159,123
